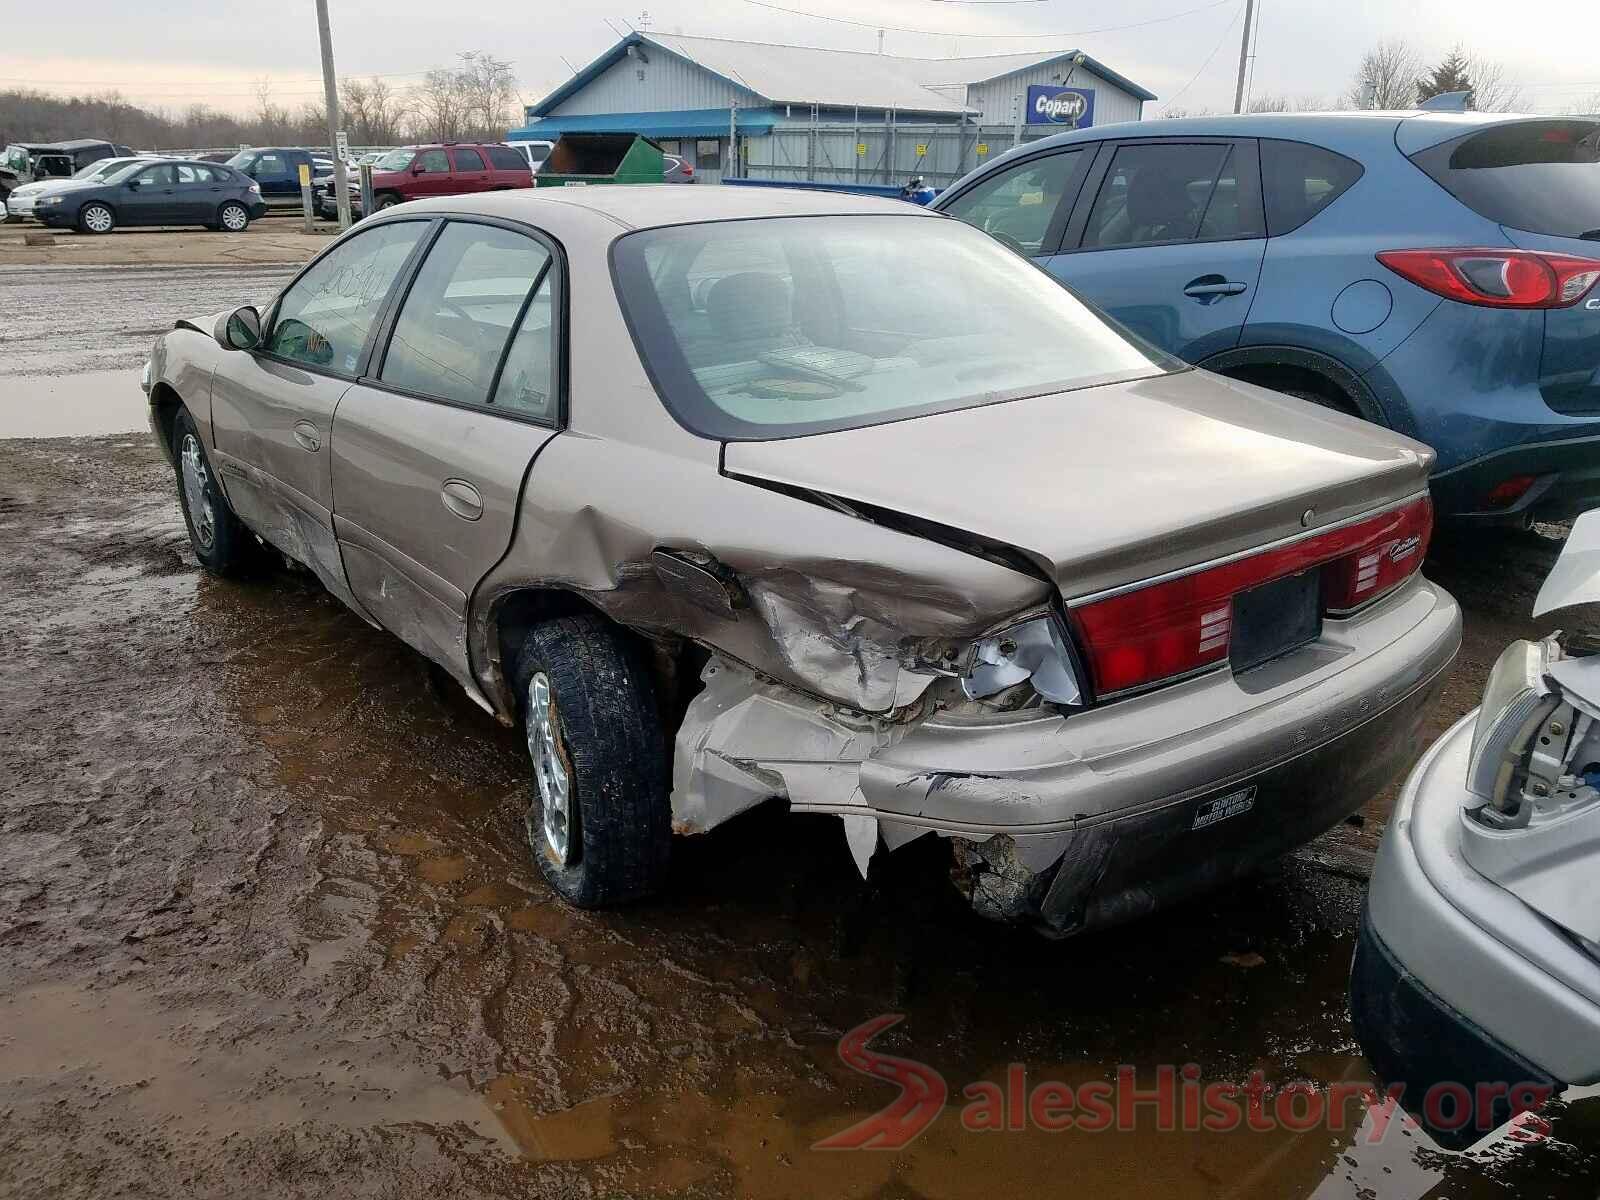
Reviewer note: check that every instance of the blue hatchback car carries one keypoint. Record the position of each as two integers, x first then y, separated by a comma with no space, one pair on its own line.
1432,272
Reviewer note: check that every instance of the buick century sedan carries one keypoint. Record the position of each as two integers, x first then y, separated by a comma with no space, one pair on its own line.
727,496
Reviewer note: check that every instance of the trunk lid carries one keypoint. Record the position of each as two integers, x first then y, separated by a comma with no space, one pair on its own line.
1114,484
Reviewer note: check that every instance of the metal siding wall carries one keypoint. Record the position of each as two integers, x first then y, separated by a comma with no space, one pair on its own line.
826,153
995,98
669,83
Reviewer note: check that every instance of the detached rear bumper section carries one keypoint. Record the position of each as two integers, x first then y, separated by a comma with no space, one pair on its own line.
1079,822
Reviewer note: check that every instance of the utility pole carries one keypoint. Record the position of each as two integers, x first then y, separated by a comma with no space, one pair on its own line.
330,87
1244,54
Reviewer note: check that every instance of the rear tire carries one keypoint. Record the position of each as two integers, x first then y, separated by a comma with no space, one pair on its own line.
599,818
96,218
221,542
233,218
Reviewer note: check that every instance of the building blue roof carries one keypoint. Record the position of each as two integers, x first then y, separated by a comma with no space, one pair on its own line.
682,123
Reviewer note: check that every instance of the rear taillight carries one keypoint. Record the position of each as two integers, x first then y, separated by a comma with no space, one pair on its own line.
688,168
1179,626
1497,278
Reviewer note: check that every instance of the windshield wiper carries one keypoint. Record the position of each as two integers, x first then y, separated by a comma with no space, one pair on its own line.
1590,235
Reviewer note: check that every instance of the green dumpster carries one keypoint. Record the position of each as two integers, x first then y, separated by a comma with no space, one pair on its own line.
592,158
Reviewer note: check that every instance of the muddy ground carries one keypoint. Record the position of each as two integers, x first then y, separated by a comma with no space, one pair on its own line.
267,925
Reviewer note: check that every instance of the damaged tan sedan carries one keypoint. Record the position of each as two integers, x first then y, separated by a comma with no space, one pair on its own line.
733,494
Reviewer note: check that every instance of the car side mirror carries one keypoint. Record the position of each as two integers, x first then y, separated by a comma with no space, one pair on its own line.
417,169
239,330
133,185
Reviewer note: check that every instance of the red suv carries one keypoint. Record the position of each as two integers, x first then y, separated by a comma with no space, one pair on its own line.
453,169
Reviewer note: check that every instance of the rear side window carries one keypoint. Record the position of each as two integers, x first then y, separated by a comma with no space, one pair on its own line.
1299,181
503,158
455,322
1172,192
468,159
1541,176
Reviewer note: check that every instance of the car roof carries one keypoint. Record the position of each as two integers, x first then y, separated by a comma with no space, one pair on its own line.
647,206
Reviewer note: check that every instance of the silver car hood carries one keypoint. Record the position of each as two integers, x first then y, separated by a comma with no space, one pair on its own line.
1112,484
1575,579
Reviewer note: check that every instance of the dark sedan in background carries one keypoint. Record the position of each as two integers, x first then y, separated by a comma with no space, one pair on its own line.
177,192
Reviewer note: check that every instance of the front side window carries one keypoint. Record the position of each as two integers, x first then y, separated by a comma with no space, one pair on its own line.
271,166
1174,192
458,315
786,326
434,162
324,318
1017,205
155,177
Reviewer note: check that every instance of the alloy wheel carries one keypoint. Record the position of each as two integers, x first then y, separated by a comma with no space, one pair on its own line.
552,823
98,219
234,218
196,494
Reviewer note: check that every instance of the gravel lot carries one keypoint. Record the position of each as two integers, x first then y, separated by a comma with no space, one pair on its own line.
267,925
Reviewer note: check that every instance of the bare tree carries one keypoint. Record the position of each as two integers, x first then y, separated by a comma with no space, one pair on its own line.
1271,104
1589,107
489,91
1491,90
1174,112
440,106
1390,71
375,111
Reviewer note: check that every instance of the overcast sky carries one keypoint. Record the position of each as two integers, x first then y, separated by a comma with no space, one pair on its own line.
175,52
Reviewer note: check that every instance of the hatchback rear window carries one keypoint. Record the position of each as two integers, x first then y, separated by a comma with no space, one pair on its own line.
794,325
1541,176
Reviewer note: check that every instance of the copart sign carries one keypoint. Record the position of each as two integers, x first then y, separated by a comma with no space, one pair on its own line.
1071,108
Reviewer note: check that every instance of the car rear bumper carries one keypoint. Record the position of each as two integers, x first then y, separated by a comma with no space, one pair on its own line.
1456,981
1566,475
1073,822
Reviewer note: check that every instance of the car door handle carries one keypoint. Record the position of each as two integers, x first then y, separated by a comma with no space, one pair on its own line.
1213,285
306,434
461,498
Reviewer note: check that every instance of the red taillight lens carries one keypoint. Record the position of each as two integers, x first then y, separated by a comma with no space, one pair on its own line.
688,168
1182,625
1497,278
1508,491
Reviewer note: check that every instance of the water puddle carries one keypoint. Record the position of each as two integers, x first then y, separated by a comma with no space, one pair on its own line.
86,404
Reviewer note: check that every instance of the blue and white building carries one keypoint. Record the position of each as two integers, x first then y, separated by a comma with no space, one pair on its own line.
798,112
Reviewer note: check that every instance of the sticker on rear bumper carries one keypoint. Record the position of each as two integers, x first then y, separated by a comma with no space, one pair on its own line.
1220,808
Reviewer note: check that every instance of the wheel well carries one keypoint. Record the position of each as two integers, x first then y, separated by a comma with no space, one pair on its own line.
166,402
1283,377
675,662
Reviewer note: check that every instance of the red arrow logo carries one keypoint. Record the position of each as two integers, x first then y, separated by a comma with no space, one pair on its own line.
922,1093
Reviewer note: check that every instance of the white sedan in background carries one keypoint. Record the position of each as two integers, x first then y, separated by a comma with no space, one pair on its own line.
22,201
1476,979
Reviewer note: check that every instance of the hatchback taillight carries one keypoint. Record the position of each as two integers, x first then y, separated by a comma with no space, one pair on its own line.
1497,278
1161,631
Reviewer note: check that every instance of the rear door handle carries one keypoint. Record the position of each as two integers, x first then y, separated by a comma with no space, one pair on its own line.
461,498
306,434
1213,285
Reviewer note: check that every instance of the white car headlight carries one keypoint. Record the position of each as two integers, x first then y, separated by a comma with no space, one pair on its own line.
1516,702
1033,651
51,199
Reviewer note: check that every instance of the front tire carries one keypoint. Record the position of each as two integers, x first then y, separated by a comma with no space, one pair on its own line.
233,218
599,819
221,542
387,200
96,218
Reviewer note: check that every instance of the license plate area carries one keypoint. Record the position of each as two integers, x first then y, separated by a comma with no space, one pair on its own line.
1275,618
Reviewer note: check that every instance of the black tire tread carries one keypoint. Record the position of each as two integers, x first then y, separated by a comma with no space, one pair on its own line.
616,750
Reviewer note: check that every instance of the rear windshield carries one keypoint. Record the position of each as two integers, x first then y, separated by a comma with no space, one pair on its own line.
1541,176
794,325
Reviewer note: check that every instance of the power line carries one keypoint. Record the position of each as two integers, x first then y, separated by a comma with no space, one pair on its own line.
1225,31
796,12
